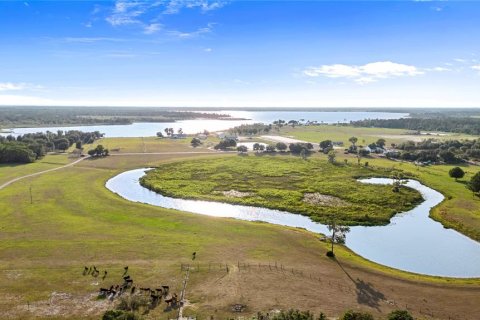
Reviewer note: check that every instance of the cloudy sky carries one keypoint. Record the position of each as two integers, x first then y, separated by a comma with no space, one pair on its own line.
240,53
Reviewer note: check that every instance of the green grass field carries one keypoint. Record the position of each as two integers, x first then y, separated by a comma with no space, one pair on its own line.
365,136
11,171
151,144
75,221
280,182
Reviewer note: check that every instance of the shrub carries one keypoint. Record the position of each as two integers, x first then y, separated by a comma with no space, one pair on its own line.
456,173
363,152
399,315
99,151
133,303
270,148
294,315
297,148
356,315
119,315
330,254
474,184
224,144
195,142
281,146
242,149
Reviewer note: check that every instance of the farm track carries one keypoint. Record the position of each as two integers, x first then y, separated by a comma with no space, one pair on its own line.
6,184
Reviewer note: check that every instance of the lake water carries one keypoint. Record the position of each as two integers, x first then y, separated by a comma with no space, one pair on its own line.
147,129
411,242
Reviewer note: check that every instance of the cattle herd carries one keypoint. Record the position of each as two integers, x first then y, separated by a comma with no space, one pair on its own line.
156,295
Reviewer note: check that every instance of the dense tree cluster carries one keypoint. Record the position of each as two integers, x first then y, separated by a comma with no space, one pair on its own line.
297,148
13,152
250,129
468,125
32,146
99,151
225,144
13,116
431,150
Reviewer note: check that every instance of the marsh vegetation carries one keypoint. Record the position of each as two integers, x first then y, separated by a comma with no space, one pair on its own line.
311,187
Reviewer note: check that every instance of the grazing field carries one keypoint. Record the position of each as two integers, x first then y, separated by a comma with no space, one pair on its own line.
75,221
365,136
11,171
151,144
311,187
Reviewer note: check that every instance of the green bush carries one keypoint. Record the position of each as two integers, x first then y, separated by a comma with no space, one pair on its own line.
133,303
119,315
356,315
399,315
456,173
294,315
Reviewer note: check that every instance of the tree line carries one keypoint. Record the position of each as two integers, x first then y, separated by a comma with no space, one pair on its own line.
251,129
33,146
14,116
431,150
467,125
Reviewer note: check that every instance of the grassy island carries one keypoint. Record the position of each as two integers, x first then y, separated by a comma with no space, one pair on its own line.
310,187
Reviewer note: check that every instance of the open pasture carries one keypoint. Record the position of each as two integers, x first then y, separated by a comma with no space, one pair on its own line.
365,136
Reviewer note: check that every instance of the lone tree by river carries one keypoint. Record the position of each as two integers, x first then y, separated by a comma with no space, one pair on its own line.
456,173
339,234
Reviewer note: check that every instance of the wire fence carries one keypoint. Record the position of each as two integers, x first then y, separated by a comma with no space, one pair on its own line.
276,267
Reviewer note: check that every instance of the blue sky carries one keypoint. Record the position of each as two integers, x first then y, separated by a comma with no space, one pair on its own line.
240,53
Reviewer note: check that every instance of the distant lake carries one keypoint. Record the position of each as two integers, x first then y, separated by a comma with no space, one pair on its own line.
147,129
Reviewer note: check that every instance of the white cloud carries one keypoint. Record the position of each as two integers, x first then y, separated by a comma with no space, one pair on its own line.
363,74
240,81
10,86
174,6
476,68
126,12
139,14
192,34
120,55
440,69
208,49
13,100
90,40
152,28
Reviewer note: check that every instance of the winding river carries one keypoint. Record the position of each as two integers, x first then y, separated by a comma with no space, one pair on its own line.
411,242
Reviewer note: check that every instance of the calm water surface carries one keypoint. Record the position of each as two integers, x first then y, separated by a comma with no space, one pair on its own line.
411,242
148,129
